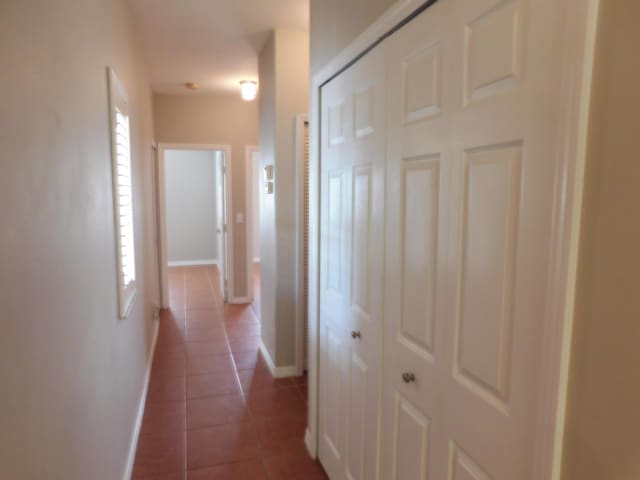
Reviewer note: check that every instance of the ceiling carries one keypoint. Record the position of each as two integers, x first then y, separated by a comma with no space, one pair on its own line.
214,43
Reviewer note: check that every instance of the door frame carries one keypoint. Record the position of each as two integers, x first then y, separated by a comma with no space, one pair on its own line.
158,295
299,224
249,150
162,214
577,25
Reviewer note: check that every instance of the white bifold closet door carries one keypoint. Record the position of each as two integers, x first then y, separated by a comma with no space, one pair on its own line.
351,271
470,174
438,163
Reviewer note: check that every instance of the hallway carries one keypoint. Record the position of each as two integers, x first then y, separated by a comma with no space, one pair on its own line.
213,410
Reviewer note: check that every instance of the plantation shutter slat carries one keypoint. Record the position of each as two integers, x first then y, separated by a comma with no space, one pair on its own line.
122,193
123,160
305,194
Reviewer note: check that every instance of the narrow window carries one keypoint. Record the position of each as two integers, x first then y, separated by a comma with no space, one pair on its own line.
122,194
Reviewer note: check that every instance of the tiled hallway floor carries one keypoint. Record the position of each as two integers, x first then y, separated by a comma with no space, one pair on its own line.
213,411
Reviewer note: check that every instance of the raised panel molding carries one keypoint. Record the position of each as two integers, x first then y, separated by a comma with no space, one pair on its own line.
493,51
490,211
335,233
333,392
336,124
419,227
463,467
364,112
361,237
422,84
357,419
411,442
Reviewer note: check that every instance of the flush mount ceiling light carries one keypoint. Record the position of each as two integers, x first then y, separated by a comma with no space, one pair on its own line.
248,90
192,85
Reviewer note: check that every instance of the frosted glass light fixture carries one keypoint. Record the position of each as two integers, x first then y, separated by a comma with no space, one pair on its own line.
248,90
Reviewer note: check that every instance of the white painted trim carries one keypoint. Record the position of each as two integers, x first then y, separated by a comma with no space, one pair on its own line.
192,146
286,372
578,26
162,212
249,213
276,372
575,74
119,101
157,283
267,358
308,441
162,228
191,263
229,266
239,300
133,446
313,305
299,239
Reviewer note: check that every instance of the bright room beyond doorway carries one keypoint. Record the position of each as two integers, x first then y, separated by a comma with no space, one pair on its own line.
194,196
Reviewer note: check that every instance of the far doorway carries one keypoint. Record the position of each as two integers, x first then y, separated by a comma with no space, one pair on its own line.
193,199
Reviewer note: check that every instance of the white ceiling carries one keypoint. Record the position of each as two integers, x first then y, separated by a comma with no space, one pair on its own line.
214,43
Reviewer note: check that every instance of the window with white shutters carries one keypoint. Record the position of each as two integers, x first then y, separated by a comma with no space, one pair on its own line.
122,194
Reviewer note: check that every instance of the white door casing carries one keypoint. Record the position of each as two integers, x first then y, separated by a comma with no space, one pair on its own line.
352,270
221,222
157,260
223,153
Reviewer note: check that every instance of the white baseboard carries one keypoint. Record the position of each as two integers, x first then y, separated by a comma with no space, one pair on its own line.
143,398
309,443
277,372
192,263
240,300
284,372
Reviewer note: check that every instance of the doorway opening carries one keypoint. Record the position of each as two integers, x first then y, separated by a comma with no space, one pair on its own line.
193,199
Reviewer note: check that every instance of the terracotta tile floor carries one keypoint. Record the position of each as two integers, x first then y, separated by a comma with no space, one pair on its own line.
214,412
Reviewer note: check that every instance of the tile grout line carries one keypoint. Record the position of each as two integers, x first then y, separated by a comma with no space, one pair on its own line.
242,392
262,457
219,314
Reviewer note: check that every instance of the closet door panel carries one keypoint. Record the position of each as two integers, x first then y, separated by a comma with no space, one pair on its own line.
418,206
470,174
352,242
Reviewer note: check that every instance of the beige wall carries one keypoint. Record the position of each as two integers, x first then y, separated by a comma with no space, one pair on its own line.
221,120
284,80
71,372
603,426
336,23
268,260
